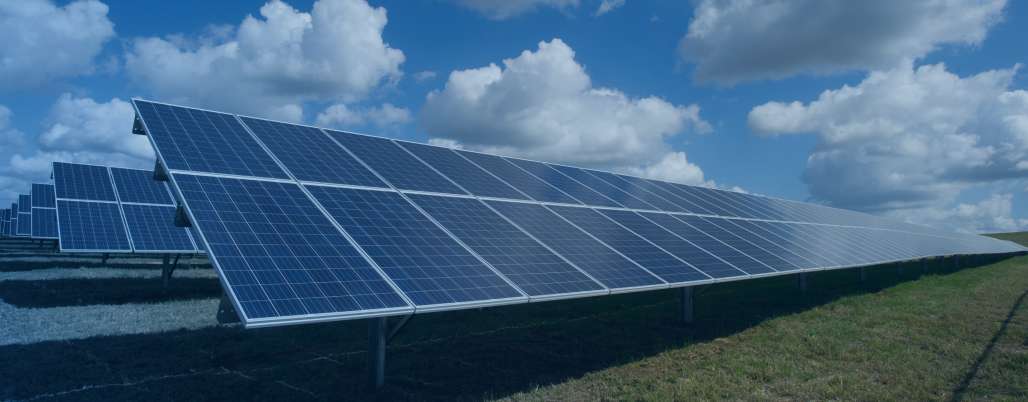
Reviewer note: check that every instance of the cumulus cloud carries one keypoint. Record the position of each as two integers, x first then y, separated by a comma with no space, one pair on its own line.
739,40
422,76
9,136
42,42
991,215
907,137
542,105
269,65
607,5
343,117
85,131
504,9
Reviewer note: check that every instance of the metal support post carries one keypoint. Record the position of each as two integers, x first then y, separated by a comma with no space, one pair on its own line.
688,310
167,269
103,260
924,266
863,274
801,281
376,351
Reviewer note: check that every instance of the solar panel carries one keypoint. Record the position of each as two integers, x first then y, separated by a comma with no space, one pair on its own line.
533,268
152,229
204,141
820,257
139,186
43,196
398,167
569,186
44,223
744,242
429,266
606,189
24,224
517,178
470,177
281,259
87,226
310,155
639,189
24,204
82,182
605,265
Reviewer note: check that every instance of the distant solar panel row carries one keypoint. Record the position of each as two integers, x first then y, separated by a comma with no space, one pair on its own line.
5,222
128,211
305,224
44,212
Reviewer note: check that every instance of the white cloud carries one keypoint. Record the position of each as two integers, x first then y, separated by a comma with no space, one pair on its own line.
270,65
42,42
85,131
343,116
608,5
740,40
542,105
9,136
422,76
674,167
991,215
504,9
907,138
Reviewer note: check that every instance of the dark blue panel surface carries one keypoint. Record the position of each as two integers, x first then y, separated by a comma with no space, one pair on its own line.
24,224
136,185
44,223
739,243
153,229
650,229
564,183
429,266
699,239
818,257
91,226
203,141
729,204
606,189
782,251
398,167
686,199
280,256
310,155
24,204
605,265
83,182
467,175
519,179
43,196
640,189
531,267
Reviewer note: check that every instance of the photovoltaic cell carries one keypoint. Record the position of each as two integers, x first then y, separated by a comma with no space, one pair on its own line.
43,196
519,179
24,204
564,183
637,188
533,268
74,181
310,155
136,185
282,259
44,223
394,164
152,228
708,242
602,263
202,141
779,251
814,259
467,175
91,226
422,260
606,189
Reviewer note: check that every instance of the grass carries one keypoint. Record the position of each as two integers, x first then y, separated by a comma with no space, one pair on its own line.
899,336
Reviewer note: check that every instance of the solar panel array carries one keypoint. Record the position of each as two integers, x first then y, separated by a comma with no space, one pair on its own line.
102,209
24,227
306,224
44,211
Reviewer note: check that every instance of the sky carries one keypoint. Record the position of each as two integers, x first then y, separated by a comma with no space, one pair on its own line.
916,110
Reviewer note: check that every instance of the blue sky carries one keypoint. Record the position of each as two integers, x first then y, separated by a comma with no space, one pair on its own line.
915,110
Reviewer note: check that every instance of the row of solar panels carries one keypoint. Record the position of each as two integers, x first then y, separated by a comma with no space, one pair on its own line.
100,209
306,224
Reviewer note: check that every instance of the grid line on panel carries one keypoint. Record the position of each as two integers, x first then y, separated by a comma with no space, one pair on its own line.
429,266
310,155
278,253
139,186
638,189
152,228
527,184
739,252
756,240
43,196
471,178
91,226
528,264
644,252
819,257
401,169
606,189
566,184
605,265
198,140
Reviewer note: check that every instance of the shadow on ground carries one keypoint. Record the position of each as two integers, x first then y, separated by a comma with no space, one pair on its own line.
83,292
465,355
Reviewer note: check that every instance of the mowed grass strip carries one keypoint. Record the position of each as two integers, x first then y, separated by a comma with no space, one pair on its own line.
919,340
